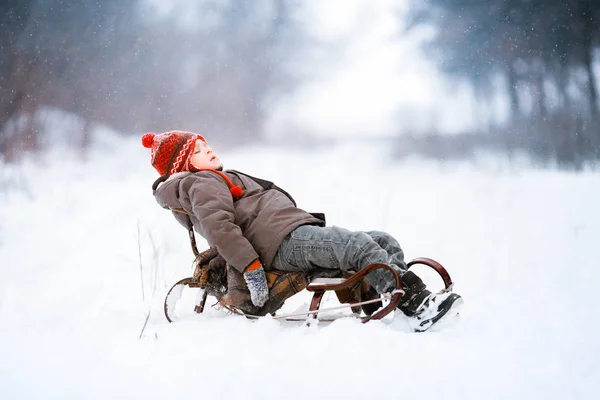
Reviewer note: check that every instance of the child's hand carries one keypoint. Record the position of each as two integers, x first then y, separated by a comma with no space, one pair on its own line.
256,281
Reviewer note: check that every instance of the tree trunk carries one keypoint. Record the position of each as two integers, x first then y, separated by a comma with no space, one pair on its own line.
585,13
515,107
540,92
592,93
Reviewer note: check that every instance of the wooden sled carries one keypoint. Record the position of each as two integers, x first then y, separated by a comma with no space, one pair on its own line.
342,286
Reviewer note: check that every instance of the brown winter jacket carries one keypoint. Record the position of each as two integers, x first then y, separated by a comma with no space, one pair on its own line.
244,229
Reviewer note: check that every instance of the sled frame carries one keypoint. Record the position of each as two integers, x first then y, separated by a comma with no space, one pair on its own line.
319,286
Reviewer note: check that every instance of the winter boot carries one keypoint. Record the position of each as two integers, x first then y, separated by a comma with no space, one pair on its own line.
423,308
414,294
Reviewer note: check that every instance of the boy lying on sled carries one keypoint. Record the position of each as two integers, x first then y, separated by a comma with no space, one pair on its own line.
256,226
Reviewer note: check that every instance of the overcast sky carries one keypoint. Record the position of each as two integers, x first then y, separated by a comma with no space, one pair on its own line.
377,77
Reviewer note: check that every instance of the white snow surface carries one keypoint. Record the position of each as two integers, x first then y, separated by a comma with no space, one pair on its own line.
78,239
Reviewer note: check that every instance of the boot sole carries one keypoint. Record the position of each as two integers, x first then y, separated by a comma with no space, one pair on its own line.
448,308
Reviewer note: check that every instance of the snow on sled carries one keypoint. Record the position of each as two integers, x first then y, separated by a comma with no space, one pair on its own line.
213,277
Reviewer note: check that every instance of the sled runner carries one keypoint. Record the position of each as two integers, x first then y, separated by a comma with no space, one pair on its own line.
213,277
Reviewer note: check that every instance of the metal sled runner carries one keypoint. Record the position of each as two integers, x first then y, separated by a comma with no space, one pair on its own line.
374,306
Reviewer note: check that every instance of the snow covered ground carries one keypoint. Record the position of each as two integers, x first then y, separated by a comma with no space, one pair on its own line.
86,253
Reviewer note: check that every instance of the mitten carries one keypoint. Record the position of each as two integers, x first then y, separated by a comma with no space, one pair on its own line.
256,281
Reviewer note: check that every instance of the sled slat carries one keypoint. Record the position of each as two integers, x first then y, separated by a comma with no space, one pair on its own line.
318,284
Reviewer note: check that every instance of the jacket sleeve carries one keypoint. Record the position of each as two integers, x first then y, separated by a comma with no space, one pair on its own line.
212,204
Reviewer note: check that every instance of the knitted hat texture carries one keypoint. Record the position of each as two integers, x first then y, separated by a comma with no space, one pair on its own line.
170,151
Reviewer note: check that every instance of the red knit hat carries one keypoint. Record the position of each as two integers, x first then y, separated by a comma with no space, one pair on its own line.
171,151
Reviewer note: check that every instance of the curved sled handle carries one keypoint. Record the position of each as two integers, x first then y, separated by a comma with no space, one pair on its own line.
190,282
395,300
437,267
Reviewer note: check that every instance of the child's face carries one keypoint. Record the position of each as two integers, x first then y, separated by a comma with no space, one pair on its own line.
204,157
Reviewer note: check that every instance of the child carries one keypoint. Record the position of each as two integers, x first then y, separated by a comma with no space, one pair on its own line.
255,225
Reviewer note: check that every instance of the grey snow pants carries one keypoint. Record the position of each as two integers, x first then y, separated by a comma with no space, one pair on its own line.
309,247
